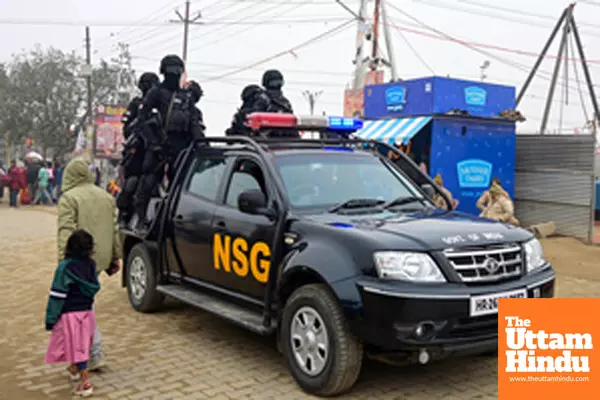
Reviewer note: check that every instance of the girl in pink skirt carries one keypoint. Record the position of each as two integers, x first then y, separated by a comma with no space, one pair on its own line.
69,313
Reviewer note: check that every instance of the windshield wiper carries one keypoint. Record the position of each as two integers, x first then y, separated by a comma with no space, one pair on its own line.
356,203
400,201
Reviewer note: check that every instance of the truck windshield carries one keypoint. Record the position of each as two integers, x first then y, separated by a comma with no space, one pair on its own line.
325,179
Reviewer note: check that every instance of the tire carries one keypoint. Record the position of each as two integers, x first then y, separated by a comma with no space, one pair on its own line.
148,300
343,357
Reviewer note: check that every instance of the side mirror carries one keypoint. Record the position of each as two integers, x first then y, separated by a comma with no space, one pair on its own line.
428,189
254,202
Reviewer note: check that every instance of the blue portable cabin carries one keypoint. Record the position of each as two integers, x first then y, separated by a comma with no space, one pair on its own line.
453,126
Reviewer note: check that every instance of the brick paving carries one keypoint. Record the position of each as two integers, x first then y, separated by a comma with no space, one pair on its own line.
183,353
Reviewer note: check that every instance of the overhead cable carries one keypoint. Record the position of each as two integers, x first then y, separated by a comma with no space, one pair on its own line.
308,42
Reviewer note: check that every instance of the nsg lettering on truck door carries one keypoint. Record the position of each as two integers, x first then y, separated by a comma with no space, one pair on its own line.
238,256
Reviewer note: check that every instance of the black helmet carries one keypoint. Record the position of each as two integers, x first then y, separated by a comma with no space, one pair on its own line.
272,79
250,91
196,90
172,64
147,80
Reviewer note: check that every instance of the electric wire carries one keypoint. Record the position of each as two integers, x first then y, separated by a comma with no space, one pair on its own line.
236,32
510,63
150,34
486,45
530,23
412,48
521,12
130,28
308,42
590,2
244,30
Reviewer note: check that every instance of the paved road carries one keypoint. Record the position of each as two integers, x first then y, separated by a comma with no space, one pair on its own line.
186,353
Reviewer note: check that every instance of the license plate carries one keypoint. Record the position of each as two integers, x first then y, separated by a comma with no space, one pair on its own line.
488,304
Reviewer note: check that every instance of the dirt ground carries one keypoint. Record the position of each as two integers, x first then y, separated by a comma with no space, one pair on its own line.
186,353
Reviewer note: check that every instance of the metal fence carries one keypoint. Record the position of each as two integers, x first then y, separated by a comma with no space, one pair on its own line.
555,182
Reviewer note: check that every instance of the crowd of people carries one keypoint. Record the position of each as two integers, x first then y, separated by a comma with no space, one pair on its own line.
31,182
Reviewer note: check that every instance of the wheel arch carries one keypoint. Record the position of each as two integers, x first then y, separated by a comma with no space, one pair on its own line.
296,277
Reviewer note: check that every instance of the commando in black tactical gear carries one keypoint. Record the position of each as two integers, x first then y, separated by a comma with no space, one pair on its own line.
134,149
196,93
249,96
146,82
174,128
273,101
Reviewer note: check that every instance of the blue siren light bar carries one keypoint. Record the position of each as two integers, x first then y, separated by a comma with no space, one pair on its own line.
345,124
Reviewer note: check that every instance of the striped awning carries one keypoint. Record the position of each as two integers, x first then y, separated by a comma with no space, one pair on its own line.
392,131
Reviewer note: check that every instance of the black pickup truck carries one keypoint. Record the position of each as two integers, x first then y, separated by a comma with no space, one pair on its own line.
333,248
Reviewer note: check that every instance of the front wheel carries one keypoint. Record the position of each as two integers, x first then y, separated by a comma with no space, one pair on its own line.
142,281
323,356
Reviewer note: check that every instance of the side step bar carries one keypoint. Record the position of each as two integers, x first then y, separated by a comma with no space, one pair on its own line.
239,315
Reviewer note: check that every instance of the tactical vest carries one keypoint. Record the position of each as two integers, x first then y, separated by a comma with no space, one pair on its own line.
179,114
278,103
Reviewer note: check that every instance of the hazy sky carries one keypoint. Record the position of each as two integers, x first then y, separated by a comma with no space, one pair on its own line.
271,27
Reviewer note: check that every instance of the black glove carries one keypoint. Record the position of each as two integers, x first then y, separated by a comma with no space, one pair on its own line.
49,326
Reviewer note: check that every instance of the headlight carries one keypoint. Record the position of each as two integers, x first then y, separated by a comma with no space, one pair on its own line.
415,267
534,254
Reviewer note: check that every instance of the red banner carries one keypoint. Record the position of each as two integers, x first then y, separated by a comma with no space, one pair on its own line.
353,103
109,130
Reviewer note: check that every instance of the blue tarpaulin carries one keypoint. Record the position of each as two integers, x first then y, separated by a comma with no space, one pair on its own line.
392,131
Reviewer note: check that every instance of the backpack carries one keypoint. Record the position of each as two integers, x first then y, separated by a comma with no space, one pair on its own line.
179,113
4,180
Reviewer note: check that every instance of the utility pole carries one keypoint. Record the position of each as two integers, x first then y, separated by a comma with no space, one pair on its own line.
388,41
362,29
312,99
567,22
88,73
375,50
186,26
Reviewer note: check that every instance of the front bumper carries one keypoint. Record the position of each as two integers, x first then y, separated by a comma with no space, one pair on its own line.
391,312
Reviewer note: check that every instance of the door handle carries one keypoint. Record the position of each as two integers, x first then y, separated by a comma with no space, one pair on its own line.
221,224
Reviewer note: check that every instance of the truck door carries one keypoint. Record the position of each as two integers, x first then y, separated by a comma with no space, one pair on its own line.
193,217
241,242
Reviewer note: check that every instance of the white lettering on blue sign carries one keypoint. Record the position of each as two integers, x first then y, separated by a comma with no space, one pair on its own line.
395,98
475,96
474,173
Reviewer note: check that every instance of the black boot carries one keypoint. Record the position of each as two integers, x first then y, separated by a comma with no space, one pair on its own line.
141,223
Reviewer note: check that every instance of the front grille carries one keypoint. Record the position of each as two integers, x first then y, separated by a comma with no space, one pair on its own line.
488,264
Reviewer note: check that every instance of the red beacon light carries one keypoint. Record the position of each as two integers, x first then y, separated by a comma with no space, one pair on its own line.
258,121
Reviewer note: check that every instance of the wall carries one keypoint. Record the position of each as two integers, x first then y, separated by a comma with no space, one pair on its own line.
554,182
468,154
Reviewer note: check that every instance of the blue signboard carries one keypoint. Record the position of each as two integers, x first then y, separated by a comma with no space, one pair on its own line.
399,99
474,173
395,98
437,95
468,154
